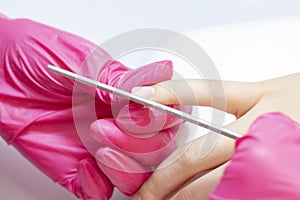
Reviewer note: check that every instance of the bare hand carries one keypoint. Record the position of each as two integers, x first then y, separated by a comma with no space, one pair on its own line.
244,100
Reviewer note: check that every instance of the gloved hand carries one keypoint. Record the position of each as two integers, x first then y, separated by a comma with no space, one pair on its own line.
37,105
139,137
266,162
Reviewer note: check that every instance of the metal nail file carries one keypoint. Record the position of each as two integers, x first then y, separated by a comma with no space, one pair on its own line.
146,102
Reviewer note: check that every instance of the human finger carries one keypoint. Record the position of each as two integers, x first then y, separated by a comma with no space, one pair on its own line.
207,183
230,96
200,155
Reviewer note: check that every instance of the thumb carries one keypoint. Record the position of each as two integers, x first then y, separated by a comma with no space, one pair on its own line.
230,96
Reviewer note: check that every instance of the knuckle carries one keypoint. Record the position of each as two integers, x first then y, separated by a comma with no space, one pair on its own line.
187,159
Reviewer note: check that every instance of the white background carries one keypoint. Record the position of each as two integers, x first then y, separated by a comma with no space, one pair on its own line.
248,40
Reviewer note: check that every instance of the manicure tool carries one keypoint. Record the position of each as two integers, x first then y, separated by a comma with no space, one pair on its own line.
146,102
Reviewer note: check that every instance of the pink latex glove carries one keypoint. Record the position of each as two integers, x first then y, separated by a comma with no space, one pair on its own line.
131,145
266,162
36,105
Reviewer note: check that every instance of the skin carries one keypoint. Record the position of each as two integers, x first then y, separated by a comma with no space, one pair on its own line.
244,100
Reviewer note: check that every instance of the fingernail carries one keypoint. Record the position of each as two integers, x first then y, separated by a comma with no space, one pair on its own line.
136,197
145,92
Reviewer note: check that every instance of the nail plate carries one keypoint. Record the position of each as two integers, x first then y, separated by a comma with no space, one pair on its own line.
145,92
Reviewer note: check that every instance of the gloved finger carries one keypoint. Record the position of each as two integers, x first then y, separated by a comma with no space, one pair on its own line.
116,74
271,145
100,66
124,172
146,75
149,150
94,184
232,97
141,120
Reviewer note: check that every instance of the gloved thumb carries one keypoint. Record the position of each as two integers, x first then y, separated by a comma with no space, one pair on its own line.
266,162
